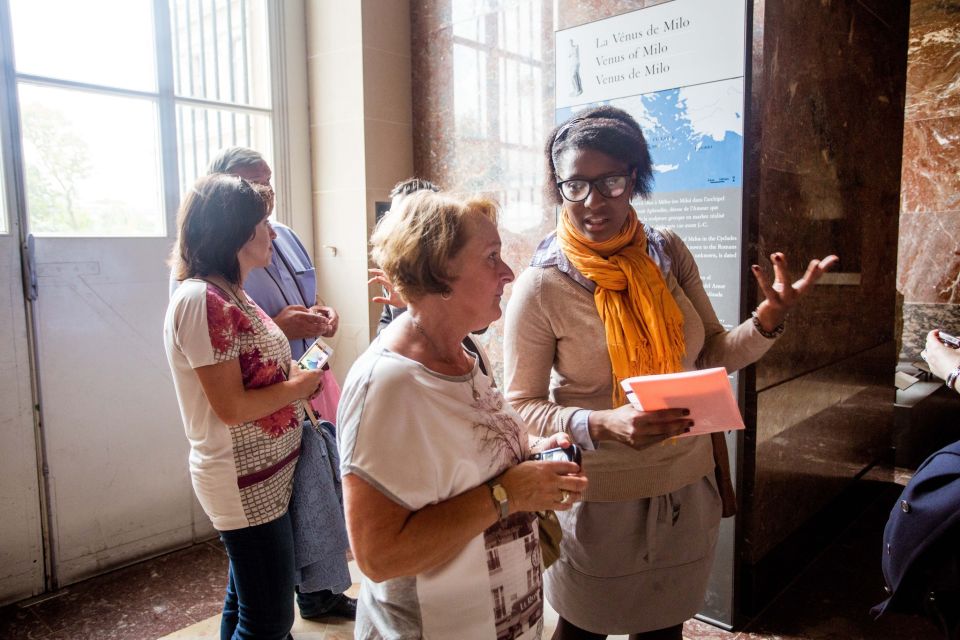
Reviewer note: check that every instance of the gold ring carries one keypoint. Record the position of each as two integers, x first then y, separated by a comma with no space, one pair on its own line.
564,496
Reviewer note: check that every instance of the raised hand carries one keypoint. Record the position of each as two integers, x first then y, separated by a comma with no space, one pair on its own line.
392,298
781,296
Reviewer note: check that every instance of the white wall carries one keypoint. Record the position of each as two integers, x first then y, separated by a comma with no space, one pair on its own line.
361,132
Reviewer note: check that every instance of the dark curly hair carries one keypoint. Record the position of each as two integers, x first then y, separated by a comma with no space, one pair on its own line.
217,217
606,129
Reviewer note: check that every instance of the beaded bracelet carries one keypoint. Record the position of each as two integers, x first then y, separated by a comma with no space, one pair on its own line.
776,333
952,379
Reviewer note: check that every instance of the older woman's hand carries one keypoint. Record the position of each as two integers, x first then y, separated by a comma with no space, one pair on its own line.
543,485
941,358
638,429
781,297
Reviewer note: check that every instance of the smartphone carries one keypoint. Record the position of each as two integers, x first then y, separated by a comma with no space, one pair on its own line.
316,356
949,340
571,453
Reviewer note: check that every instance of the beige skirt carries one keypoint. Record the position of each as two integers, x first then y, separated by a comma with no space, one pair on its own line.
630,567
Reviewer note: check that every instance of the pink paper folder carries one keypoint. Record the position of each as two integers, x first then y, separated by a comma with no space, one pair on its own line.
706,393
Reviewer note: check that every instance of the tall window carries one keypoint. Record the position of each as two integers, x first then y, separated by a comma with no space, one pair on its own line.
94,81
497,99
221,58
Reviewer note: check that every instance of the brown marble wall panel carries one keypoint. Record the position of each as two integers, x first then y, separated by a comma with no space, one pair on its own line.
933,76
825,152
928,268
929,257
814,434
831,105
931,165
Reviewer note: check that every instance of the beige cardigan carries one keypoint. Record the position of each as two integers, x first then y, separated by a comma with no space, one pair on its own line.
556,362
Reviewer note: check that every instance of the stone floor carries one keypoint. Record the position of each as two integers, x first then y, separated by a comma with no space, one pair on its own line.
178,596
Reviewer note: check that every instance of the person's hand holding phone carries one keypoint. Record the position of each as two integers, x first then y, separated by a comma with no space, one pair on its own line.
305,382
545,485
942,358
550,482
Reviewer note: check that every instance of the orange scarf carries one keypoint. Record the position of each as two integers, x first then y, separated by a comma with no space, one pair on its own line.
642,322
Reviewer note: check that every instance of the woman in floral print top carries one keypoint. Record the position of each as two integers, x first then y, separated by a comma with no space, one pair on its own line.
238,396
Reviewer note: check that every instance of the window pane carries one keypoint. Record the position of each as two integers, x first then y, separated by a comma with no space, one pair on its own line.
469,105
108,42
221,50
203,132
4,224
91,163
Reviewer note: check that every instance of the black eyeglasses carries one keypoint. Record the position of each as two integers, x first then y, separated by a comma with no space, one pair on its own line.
579,190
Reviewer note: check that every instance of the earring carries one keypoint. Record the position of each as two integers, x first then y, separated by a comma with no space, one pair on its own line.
445,295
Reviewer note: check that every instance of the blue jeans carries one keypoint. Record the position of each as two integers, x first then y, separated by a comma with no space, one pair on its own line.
259,601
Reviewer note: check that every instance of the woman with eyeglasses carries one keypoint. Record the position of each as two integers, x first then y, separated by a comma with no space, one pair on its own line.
606,298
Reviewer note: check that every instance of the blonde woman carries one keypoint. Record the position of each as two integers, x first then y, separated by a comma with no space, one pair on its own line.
437,486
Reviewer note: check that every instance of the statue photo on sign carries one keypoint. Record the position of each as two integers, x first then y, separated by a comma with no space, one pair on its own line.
576,86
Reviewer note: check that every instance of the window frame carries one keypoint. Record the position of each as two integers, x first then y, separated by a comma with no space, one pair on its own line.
288,112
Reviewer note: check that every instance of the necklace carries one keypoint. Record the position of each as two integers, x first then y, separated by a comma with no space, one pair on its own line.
433,345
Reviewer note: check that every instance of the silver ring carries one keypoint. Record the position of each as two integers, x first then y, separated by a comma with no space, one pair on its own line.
564,496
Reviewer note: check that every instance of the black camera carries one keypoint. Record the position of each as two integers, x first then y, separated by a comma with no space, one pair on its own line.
571,453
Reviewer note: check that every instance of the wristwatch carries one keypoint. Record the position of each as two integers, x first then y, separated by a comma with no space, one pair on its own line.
500,501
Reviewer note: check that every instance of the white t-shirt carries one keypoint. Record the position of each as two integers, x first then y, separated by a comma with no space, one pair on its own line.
242,474
420,438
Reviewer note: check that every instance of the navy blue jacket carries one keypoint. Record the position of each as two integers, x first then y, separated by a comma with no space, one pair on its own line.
928,509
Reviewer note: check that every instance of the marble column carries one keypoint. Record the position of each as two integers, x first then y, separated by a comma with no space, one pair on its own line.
824,164
928,268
